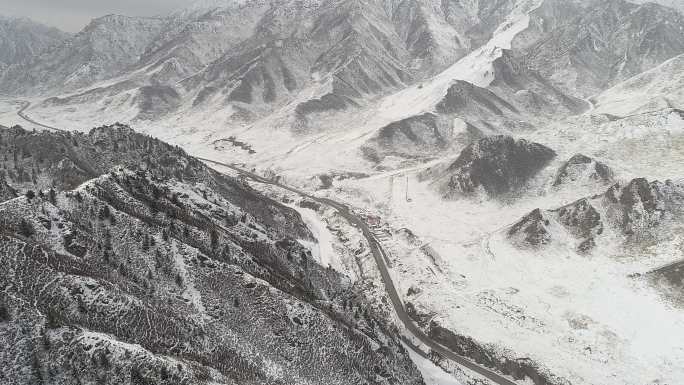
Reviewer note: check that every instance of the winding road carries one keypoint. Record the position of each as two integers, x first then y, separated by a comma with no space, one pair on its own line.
379,254
380,257
24,106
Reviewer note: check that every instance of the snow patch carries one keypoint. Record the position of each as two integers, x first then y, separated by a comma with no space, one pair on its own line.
432,374
322,250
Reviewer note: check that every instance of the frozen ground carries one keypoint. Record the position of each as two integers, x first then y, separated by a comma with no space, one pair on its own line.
582,316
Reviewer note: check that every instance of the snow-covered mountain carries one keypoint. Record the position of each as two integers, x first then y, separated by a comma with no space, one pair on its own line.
405,40
21,39
600,43
104,48
676,4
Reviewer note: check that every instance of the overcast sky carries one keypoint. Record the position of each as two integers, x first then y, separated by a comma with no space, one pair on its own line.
73,15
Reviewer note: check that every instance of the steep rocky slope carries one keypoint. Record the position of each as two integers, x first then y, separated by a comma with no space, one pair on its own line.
195,37
168,272
369,46
308,69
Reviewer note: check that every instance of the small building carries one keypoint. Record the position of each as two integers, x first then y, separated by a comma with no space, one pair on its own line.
373,220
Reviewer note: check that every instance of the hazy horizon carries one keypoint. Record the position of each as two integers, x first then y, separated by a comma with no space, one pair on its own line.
73,15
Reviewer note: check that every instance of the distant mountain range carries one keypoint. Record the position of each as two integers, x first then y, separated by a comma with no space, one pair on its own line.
306,67
21,39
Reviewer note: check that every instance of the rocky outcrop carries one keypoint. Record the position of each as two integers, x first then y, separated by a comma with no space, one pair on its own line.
417,137
587,47
669,280
326,103
640,206
583,221
154,101
581,168
496,165
532,229
636,210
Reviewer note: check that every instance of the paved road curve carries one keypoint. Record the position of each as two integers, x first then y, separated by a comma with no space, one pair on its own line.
24,106
379,255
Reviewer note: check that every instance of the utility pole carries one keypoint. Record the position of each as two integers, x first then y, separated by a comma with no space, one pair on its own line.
407,189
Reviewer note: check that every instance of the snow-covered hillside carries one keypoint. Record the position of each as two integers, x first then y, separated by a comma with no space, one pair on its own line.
162,270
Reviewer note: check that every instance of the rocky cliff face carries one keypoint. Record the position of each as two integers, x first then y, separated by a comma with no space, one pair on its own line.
494,165
160,270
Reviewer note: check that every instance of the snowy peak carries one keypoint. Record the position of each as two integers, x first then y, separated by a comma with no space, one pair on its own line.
191,40
350,41
532,230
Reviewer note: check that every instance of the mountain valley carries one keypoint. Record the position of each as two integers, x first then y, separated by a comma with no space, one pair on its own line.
345,192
